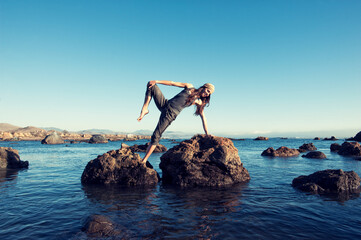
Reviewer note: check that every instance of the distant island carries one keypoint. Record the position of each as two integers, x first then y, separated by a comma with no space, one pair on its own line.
10,132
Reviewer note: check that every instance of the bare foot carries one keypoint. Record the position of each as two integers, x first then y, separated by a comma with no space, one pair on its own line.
142,114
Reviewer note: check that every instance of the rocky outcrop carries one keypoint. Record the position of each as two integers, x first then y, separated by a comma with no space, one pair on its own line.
99,226
203,161
333,138
317,138
357,137
335,147
98,139
350,149
280,152
53,138
10,159
143,148
307,147
329,181
315,154
122,167
261,138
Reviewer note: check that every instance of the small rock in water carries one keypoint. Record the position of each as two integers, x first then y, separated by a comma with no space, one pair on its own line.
203,161
10,159
307,147
280,152
335,147
98,139
315,154
100,226
260,138
53,138
329,182
350,149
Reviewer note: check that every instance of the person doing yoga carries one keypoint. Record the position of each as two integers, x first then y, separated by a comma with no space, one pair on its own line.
171,108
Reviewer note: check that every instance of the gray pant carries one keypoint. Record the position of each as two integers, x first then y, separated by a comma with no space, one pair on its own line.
167,115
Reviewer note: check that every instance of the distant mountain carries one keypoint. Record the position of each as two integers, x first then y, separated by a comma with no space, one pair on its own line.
99,131
52,128
6,127
143,132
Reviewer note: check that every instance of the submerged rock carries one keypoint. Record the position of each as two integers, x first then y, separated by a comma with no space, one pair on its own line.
122,167
350,149
143,148
10,159
98,139
261,138
335,147
52,138
203,161
315,154
280,152
100,226
307,147
329,181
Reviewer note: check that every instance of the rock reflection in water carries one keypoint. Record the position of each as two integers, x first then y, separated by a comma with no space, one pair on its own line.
167,212
8,174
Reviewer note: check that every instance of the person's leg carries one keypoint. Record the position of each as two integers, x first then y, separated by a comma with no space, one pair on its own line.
158,97
164,121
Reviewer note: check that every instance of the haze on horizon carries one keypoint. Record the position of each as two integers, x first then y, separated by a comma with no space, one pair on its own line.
280,68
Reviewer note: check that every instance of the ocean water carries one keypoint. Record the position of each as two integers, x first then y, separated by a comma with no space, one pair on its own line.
48,201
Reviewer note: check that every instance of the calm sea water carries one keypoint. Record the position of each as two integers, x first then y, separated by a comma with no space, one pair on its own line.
47,201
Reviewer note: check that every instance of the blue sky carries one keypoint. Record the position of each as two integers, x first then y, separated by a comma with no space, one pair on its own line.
279,67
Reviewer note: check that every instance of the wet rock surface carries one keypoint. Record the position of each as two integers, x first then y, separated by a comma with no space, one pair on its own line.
10,159
280,152
203,161
315,154
122,167
350,149
329,182
143,148
95,139
307,147
52,138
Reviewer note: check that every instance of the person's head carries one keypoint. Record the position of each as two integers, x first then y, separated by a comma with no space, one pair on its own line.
207,90
203,93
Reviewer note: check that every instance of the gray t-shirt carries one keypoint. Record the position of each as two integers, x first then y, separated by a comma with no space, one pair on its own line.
178,102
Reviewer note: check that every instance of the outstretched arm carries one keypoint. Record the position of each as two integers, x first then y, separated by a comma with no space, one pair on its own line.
204,122
169,83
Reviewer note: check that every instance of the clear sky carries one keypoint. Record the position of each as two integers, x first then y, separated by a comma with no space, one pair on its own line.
278,66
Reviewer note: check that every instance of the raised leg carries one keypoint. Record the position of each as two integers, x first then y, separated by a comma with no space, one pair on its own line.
145,110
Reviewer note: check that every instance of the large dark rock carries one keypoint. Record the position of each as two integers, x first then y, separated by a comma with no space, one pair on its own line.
203,161
260,138
99,226
307,147
280,152
143,148
335,147
317,138
122,167
357,137
350,149
10,159
315,154
98,139
329,181
52,138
